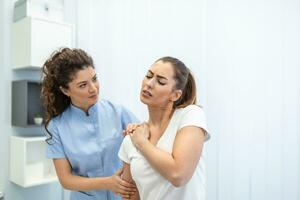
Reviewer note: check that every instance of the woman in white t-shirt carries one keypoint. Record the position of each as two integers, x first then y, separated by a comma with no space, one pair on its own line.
163,157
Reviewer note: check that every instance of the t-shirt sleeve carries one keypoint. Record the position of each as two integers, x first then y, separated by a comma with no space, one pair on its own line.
194,115
125,149
128,117
128,151
54,148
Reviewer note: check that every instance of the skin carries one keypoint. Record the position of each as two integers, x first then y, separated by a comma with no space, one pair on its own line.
159,95
83,91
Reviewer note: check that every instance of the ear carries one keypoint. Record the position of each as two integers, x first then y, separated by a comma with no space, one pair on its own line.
64,91
176,95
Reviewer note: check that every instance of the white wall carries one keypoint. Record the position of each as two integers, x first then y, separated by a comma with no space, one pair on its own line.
253,98
245,57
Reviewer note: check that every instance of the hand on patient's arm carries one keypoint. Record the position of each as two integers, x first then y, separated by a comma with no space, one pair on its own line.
121,186
78,183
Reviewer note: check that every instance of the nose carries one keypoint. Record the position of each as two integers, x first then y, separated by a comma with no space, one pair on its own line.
92,88
150,82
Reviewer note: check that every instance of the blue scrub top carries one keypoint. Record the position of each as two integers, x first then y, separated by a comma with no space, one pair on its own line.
90,142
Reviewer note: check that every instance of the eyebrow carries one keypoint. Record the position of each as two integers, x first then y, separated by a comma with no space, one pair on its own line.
158,76
81,82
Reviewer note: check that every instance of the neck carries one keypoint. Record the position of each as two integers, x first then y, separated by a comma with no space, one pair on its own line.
160,116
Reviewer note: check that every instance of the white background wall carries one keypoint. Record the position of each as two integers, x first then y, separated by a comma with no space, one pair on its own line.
245,55
253,98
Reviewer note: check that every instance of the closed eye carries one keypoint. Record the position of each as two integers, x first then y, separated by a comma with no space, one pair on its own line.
160,82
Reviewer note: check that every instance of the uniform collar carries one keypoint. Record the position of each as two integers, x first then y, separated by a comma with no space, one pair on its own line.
79,111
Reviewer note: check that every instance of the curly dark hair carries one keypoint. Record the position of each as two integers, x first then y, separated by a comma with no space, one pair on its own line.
58,71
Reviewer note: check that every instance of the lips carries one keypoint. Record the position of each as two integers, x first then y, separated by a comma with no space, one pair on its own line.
93,96
146,93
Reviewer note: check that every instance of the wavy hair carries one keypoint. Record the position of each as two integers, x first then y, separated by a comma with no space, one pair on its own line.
58,71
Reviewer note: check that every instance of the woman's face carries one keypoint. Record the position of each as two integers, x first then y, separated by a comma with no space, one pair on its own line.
84,88
158,86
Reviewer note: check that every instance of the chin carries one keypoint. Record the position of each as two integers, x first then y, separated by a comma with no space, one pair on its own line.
144,101
93,101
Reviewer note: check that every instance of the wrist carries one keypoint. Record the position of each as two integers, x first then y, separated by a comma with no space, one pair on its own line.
107,183
142,144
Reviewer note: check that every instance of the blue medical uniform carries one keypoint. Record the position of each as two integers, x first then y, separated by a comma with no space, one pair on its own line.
90,142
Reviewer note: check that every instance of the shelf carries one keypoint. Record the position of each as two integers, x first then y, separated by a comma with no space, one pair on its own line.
29,165
26,103
34,40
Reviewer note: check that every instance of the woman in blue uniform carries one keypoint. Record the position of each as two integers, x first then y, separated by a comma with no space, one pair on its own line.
85,132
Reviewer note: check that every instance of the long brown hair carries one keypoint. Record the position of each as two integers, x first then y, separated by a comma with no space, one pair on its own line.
58,71
184,81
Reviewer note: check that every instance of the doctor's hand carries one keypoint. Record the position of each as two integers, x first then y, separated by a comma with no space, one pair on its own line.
130,128
140,135
121,187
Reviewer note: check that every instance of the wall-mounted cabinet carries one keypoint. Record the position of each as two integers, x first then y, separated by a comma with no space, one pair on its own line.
45,9
28,165
26,102
34,39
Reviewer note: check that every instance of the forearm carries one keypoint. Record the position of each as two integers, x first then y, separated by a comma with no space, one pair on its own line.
73,182
179,166
163,162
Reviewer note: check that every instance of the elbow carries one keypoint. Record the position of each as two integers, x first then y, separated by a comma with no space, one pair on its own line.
66,187
64,184
178,180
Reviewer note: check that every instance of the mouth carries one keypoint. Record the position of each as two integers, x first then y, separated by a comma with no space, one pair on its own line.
93,96
146,93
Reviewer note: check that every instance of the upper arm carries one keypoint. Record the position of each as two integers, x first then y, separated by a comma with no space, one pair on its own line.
55,147
127,177
187,149
63,169
126,173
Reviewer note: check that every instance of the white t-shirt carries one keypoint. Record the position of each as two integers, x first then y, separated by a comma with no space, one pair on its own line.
151,185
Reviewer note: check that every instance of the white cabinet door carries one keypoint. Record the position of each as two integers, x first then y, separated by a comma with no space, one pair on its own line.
28,163
34,40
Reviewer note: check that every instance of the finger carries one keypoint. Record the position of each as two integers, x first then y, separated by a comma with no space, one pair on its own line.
128,126
126,185
125,196
119,172
131,126
125,191
126,132
135,126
